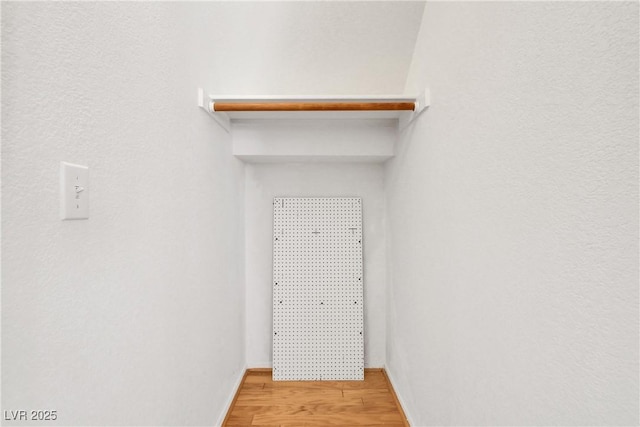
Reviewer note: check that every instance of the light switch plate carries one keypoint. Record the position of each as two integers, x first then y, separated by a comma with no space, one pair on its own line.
74,191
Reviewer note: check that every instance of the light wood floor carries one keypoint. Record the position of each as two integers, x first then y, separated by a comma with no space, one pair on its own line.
263,402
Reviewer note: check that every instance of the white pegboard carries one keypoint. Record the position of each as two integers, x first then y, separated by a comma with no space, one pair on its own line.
318,331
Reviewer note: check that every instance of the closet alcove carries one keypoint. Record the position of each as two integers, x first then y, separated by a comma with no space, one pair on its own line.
326,147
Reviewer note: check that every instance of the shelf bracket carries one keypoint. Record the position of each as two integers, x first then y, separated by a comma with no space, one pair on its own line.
205,102
422,102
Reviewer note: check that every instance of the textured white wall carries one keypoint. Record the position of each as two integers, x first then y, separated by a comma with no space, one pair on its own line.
135,316
263,183
311,47
513,215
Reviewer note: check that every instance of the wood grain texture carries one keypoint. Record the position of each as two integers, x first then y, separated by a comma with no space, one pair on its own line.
313,106
260,401
395,396
233,402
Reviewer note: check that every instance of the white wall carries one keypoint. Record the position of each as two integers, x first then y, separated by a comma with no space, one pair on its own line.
316,140
309,48
513,218
134,316
263,183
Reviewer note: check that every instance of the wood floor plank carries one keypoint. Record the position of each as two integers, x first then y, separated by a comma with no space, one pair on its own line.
239,420
253,386
378,383
235,397
318,385
327,420
378,401
258,379
367,393
395,397
309,400
251,410
292,393
260,401
301,424
374,384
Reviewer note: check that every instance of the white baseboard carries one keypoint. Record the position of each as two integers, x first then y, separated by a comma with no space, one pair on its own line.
403,402
229,401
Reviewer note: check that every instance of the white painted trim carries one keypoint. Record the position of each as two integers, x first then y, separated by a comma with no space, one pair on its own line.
403,402
207,101
206,104
422,102
313,98
229,401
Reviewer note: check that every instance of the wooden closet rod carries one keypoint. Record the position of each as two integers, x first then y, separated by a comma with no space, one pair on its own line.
313,106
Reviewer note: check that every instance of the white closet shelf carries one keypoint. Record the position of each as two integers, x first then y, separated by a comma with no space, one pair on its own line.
226,109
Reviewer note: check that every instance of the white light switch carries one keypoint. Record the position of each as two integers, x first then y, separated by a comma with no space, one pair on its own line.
74,191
